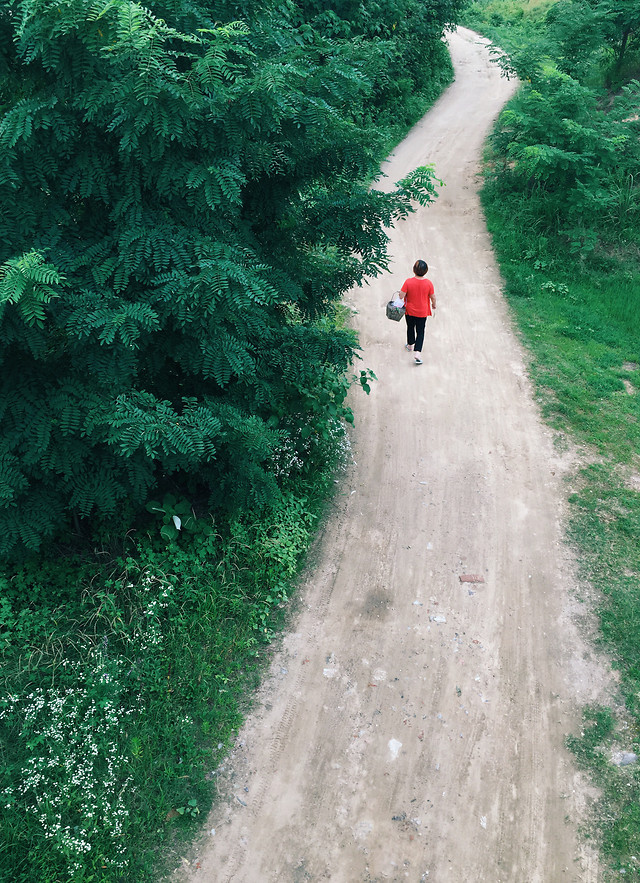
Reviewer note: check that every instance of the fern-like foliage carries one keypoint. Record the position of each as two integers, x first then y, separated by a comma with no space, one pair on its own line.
29,283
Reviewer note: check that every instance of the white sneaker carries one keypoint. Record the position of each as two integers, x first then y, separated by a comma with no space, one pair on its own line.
418,360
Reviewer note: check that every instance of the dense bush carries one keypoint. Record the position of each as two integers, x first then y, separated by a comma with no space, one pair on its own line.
570,161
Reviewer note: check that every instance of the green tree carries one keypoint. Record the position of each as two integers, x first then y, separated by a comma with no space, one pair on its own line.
576,27
181,204
406,58
573,163
595,34
621,30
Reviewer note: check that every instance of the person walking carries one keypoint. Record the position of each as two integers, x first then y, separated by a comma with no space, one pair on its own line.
419,302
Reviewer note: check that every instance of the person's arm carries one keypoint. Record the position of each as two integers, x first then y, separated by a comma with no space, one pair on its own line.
432,297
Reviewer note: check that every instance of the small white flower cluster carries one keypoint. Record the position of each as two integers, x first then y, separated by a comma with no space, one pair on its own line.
148,629
290,455
74,777
343,442
286,459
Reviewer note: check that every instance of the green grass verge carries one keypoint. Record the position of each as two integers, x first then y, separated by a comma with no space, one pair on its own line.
580,320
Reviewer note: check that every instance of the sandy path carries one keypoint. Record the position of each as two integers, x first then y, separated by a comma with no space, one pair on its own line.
412,726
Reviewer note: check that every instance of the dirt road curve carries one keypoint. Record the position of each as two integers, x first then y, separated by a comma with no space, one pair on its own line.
412,726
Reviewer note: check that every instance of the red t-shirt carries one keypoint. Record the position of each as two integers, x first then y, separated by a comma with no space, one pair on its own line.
418,290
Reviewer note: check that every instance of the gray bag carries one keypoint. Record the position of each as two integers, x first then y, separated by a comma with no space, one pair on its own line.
394,312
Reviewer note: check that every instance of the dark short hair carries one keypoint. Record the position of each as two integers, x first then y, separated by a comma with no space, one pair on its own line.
420,268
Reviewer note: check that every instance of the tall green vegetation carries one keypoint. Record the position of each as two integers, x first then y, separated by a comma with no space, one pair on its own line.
570,163
182,202
590,39
562,197
184,196
567,149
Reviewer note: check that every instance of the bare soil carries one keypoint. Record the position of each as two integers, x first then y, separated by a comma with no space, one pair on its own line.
412,725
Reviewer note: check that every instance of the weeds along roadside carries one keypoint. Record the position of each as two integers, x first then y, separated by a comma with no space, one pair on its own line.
118,705
574,291
584,344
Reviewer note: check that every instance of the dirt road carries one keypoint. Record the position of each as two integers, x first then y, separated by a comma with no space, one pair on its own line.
412,726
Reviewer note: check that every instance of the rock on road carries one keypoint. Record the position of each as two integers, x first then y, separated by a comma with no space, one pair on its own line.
413,722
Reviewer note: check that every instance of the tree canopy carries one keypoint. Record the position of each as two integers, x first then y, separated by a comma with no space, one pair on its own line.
184,196
567,145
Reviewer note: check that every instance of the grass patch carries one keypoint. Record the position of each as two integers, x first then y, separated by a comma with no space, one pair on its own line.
579,318
118,702
509,23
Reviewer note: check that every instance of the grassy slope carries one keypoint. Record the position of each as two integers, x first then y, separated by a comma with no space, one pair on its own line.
580,319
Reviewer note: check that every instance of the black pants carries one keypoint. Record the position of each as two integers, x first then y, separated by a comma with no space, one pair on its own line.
415,331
